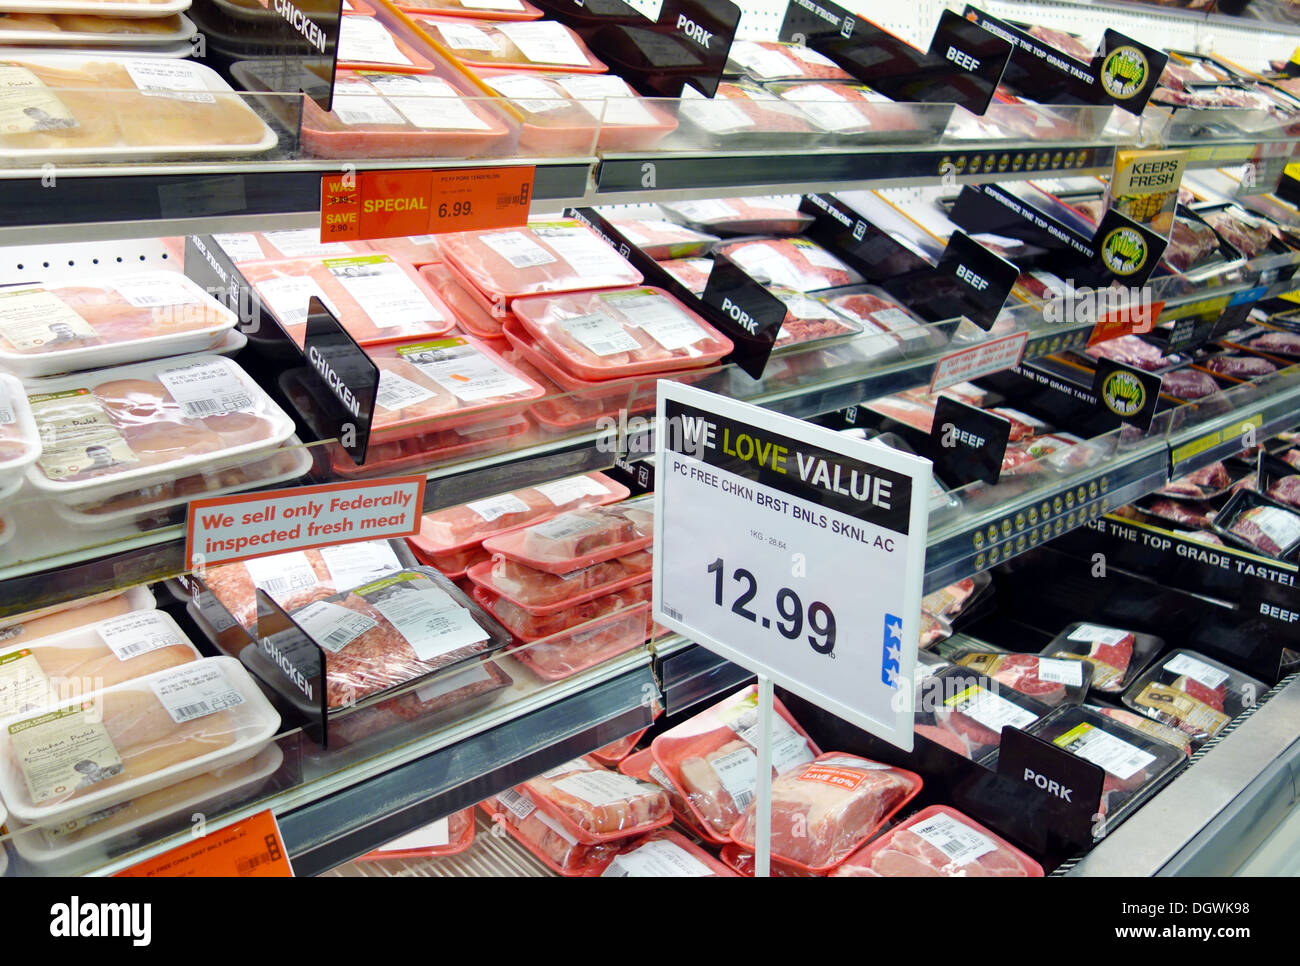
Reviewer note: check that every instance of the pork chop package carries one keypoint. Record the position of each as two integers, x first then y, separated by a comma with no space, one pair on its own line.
443,383
663,239
1134,763
1193,693
1254,522
958,598
82,660
712,757
245,247
376,298
112,431
20,443
1053,681
531,45
939,841
419,250
301,577
691,272
595,804
388,632
474,9
132,738
47,329
808,321
449,835
544,836
792,263
578,539
1237,365
641,764
824,809
665,853
965,711
743,114
541,593
1116,655
401,115
772,60
624,332
467,525
543,258
777,215
1149,727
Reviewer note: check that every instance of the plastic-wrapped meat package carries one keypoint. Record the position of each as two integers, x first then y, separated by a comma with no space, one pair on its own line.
133,738
626,332
740,111
1287,343
245,247
691,272
1180,512
541,592
614,752
596,804
1238,366
1189,384
1134,351
1049,680
366,44
742,216
418,250
544,258
471,314
743,861
562,654
580,538
447,836
1193,693
772,60
641,764
476,9
378,114
711,758
965,712
1249,235
933,630
1286,490
116,430
877,314
467,525
939,841
375,297
393,630
57,328
297,578
85,659
423,451
948,602
456,563
546,838
663,240
1069,44
1152,729
529,627
824,809
1023,426
537,44
21,629
910,412
457,378
793,263
808,320
1178,75
1115,654
848,109
1022,457
665,854
1190,243
1270,529
1208,481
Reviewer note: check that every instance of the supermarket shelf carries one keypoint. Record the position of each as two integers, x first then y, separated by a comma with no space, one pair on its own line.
1197,446
1210,818
689,674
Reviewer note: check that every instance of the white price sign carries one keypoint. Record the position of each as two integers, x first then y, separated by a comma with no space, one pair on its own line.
792,551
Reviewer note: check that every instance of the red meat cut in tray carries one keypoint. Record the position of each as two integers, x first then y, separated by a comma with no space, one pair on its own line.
942,736
1189,384
1188,514
1066,43
1259,525
909,855
1133,351
1020,672
1241,367
1287,342
1286,490
1214,697
1190,243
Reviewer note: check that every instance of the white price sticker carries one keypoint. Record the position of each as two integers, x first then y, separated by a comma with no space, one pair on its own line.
1115,755
366,40
659,317
1095,633
175,79
466,373
137,633
497,506
564,492
518,249
207,389
619,103
545,42
397,392
156,290
290,298
385,293
1206,674
353,564
585,252
529,93
459,36
959,842
282,574
1058,671
656,859
190,693
601,788
303,243
600,334
432,836
240,246
518,804
431,621
991,710
331,626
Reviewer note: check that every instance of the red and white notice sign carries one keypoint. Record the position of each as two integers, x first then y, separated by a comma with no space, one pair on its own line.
979,360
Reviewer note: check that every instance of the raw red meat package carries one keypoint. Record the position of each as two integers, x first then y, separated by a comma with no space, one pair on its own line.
742,216
1254,522
298,578
1189,384
965,711
472,315
546,838
848,110
455,380
1193,693
877,314
563,654
418,250
808,320
244,247
793,263
948,602
1238,366
393,630
1180,512
1115,655
626,332
1050,680
396,115
773,60
467,525
544,258
596,804
1248,234
1287,343
910,412
46,329
613,753
691,272
641,764
543,593
1206,483
530,628
366,44
1150,728
663,239
535,44
824,809
1134,351
580,538
447,836
375,297
665,854
939,841
712,757
476,9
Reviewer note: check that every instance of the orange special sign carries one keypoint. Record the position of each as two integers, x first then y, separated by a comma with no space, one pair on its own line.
356,206
251,849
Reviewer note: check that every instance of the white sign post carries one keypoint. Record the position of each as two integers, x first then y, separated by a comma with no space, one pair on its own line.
794,552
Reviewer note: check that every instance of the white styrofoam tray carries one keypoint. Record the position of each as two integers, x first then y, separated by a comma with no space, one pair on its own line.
89,38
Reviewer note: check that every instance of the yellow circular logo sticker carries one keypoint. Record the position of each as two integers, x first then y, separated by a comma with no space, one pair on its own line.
1123,393
1124,72
1124,251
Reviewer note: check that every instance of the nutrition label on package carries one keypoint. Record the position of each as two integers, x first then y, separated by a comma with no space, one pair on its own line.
498,506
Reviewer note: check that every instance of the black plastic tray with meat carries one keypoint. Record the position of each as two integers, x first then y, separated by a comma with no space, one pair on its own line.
1237,363
965,711
1117,654
1193,693
1278,479
1259,524
1050,680
1270,340
1207,483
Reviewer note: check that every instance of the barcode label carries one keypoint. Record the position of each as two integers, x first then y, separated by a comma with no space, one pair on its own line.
331,626
193,692
673,612
600,334
134,634
7,416
246,866
208,388
282,574
959,842
519,804
738,773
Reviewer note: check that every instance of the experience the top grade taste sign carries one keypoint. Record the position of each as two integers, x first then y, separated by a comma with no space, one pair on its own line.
792,551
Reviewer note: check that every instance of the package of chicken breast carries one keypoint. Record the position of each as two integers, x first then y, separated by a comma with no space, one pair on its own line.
712,757
542,594
596,804
578,539
609,626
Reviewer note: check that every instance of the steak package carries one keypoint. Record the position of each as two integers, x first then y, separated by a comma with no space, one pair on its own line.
939,841
542,593
1053,681
1237,365
1193,693
124,741
376,298
449,835
543,258
535,44
1135,351
641,764
665,854
808,320
393,630
624,332
301,577
47,329
1116,655
578,539
36,674
1254,522
1204,484
965,711
779,215
824,809
793,263
712,757
467,525
1149,727
954,600
595,804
